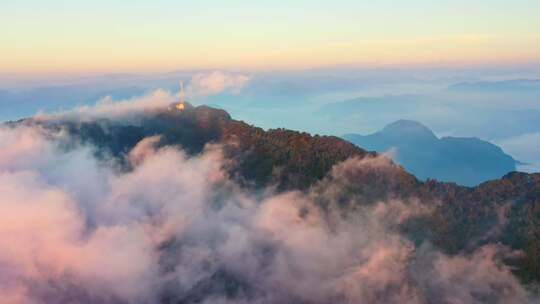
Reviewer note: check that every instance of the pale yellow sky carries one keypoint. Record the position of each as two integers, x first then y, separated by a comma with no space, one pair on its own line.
62,36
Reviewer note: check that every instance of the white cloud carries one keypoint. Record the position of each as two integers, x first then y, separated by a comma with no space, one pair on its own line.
216,82
116,109
75,228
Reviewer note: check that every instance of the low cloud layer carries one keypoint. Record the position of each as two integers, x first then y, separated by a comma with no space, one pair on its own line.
115,109
175,228
525,148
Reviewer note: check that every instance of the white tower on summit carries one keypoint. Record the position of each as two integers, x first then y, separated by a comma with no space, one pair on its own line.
181,95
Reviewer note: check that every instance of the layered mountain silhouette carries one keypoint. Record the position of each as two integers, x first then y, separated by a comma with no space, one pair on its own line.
466,161
504,211
515,85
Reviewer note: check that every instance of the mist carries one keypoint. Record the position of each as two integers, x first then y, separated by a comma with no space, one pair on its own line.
174,227
493,104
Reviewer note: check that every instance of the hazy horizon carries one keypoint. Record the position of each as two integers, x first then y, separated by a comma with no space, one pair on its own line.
331,101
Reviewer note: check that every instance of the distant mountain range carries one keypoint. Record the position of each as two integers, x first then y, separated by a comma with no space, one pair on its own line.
514,85
370,104
466,161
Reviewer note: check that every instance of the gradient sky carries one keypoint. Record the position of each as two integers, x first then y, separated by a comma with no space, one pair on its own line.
130,35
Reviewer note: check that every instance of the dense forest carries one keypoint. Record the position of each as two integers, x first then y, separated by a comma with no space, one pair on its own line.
504,211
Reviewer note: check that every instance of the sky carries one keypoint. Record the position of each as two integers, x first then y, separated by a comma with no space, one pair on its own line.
61,36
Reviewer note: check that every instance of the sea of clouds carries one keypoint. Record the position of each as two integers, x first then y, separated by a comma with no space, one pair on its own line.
176,229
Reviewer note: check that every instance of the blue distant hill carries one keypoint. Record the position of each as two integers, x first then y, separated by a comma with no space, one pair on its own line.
514,85
466,161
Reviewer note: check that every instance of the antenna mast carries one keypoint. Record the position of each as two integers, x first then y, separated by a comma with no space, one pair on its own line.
182,94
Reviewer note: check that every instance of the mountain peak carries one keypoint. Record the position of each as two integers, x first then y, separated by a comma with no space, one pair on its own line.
466,161
180,106
408,128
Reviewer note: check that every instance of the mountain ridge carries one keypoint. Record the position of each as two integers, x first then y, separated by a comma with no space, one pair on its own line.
466,160
338,175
